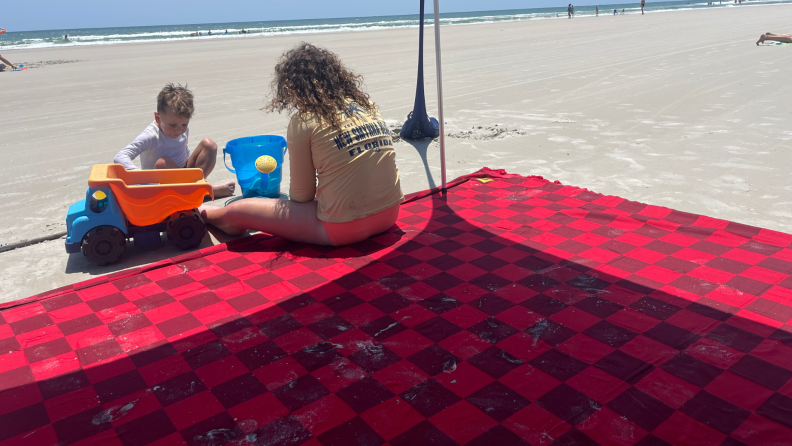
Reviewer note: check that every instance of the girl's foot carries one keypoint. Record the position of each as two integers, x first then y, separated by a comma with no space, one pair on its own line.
224,190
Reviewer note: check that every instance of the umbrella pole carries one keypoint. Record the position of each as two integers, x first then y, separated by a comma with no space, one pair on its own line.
440,93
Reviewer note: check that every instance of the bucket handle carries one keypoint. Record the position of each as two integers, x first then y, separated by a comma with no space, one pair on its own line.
226,164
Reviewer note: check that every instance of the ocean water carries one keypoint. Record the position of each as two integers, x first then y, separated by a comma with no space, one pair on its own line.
110,36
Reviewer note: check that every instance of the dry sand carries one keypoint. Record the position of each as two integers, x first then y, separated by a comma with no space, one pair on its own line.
678,109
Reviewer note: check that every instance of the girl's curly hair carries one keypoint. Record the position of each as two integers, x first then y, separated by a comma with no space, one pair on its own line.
312,81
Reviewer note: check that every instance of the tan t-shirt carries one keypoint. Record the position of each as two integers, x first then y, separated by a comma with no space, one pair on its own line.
355,167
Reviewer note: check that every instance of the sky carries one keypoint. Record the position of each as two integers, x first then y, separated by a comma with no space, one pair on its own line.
30,15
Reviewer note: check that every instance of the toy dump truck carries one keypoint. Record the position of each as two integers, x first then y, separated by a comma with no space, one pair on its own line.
138,205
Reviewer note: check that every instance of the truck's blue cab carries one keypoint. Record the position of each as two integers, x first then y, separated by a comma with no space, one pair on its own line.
100,208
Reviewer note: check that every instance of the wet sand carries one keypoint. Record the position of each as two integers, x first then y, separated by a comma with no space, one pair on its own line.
678,109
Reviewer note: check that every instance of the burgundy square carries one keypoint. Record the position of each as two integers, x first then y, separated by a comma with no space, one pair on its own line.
710,248
735,337
294,303
568,404
692,370
491,304
149,303
300,392
771,263
676,264
23,420
206,353
558,365
99,352
247,301
79,324
238,390
118,386
777,408
489,281
178,388
63,384
285,431
342,302
672,336
610,333
498,435
773,310
538,282
693,285
331,327
128,325
544,305
260,355
383,328
103,303
152,353
146,429
364,394
374,357
715,412
396,281
437,328
440,303
445,262
728,265
495,362
176,281
644,410
317,356
625,367
56,303
655,308
199,301
761,372
279,326
588,283
430,397
493,330
434,360
488,246
217,429
599,307
30,324
352,280
179,324
423,434
219,281
81,426
574,437
260,281
356,429
488,263
390,302
46,350
550,331
498,401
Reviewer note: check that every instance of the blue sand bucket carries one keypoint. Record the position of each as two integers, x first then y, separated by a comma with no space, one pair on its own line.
244,152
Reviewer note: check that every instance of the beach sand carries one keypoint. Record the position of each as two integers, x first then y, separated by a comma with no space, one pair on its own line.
677,109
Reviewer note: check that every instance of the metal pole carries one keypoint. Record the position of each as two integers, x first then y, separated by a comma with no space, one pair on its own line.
440,93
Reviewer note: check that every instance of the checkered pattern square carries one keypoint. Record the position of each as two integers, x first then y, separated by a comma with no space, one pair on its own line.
510,311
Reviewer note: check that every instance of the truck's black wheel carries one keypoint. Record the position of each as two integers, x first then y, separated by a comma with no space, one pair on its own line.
186,229
104,245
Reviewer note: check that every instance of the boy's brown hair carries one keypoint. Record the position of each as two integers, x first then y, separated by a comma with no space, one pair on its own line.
175,99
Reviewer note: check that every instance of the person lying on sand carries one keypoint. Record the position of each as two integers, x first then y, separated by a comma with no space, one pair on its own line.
5,64
163,144
786,38
336,138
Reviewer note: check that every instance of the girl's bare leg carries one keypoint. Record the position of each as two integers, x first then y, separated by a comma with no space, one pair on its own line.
284,218
786,38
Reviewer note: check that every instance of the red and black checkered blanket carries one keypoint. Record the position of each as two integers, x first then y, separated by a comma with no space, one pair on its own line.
510,311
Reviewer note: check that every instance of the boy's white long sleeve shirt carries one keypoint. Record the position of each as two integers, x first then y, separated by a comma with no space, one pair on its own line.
151,145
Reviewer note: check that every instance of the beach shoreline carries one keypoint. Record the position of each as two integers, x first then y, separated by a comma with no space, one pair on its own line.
676,110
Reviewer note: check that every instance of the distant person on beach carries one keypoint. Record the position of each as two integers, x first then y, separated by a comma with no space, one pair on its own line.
570,10
163,144
226,32
614,12
643,3
596,10
344,181
65,37
210,33
785,38
5,63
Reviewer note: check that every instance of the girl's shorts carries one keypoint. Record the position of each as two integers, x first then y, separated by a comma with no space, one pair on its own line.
346,233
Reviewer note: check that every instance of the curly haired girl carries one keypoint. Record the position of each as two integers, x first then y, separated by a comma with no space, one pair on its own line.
344,181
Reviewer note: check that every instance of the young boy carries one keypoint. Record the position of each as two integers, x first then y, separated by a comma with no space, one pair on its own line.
163,144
